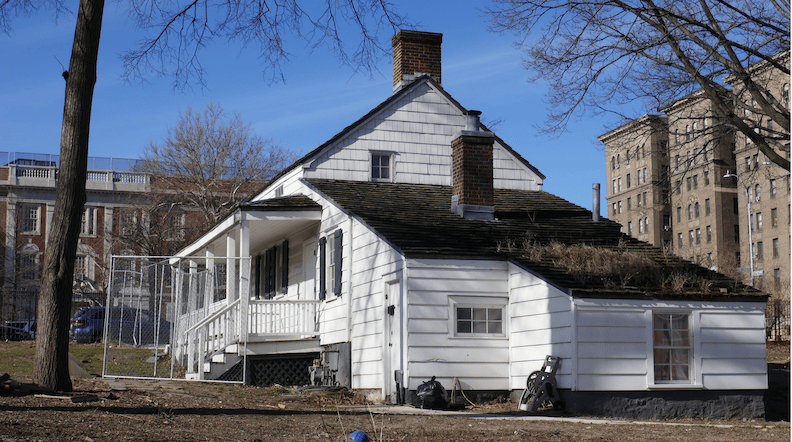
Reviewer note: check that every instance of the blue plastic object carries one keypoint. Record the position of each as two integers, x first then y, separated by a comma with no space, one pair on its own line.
358,436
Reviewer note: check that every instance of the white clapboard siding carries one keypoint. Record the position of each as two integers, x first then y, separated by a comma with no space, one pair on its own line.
732,353
432,349
418,128
611,349
540,324
371,259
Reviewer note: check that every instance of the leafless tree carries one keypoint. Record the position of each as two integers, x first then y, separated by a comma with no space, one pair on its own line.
599,56
211,162
178,31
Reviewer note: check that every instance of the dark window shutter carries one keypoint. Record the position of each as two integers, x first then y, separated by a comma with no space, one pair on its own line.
322,268
284,267
259,275
337,249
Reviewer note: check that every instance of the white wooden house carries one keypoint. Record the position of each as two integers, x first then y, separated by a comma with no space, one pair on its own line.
404,245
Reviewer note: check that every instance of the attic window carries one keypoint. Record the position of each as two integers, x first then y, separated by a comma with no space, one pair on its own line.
381,166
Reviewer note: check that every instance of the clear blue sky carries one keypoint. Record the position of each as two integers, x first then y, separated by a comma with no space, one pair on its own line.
319,98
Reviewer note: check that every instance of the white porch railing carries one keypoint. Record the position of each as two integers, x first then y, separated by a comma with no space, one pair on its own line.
297,317
212,335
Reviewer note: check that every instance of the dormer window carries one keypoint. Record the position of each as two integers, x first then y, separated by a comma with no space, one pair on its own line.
381,166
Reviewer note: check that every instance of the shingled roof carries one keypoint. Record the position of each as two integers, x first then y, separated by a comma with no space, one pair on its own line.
535,230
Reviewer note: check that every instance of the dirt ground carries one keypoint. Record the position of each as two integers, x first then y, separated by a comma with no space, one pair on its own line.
121,410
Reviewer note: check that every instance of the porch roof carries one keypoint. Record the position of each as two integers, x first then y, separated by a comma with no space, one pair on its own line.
270,220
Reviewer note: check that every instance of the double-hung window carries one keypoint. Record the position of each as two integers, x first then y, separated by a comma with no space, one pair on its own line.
88,224
273,271
673,347
31,215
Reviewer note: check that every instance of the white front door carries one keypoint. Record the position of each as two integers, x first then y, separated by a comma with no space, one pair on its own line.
392,335
309,270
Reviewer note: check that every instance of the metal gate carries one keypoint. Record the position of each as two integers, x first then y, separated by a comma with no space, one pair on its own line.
155,309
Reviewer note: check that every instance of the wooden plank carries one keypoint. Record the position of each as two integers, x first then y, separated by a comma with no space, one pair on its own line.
366,355
731,320
619,318
611,382
540,321
735,381
611,334
478,287
757,350
459,354
734,365
548,305
615,350
427,325
735,336
544,336
602,366
428,311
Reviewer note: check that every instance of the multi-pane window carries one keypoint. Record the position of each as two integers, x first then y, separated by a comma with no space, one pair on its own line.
697,209
690,211
330,259
30,218
775,247
759,250
707,208
691,237
380,167
646,225
80,267
672,347
128,222
698,236
620,206
709,234
88,223
758,192
29,263
758,220
773,188
176,226
479,320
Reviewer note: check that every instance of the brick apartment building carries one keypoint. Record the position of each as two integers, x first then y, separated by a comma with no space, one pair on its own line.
127,212
688,182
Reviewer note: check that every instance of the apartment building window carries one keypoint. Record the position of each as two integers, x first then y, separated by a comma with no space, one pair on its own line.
638,199
758,220
689,181
620,207
676,139
759,250
777,277
613,209
773,188
80,267
640,225
709,234
691,237
627,157
629,203
628,180
629,228
696,206
695,181
380,167
758,192
613,163
618,160
785,94
666,222
678,187
695,154
29,262
88,223
646,225
614,186
645,201
750,193
737,233
619,181
176,226
679,214
747,164
735,206
679,239
31,214
689,159
690,211
698,236
128,222
645,176
706,178
639,177
687,135
774,217
677,161
707,209
775,247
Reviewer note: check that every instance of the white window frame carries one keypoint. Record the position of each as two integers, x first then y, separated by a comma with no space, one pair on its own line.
88,228
694,365
390,167
36,220
477,302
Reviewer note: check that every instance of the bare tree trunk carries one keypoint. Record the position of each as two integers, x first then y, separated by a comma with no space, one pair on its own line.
52,337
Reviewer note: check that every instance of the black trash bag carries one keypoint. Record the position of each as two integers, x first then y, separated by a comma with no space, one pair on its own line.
431,395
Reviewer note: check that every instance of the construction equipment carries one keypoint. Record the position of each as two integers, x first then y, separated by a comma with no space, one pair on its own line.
541,389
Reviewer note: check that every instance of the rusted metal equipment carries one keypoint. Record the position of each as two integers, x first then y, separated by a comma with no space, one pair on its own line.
541,389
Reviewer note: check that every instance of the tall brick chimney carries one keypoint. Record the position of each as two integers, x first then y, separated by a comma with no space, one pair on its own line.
473,196
415,53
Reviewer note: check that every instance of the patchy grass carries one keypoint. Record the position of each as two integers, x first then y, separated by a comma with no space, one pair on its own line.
17,357
90,356
778,351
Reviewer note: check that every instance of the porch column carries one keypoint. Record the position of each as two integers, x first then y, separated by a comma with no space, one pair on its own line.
231,266
244,275
191,315
210,281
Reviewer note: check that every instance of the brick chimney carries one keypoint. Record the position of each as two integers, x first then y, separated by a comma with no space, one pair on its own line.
471,163
415,53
